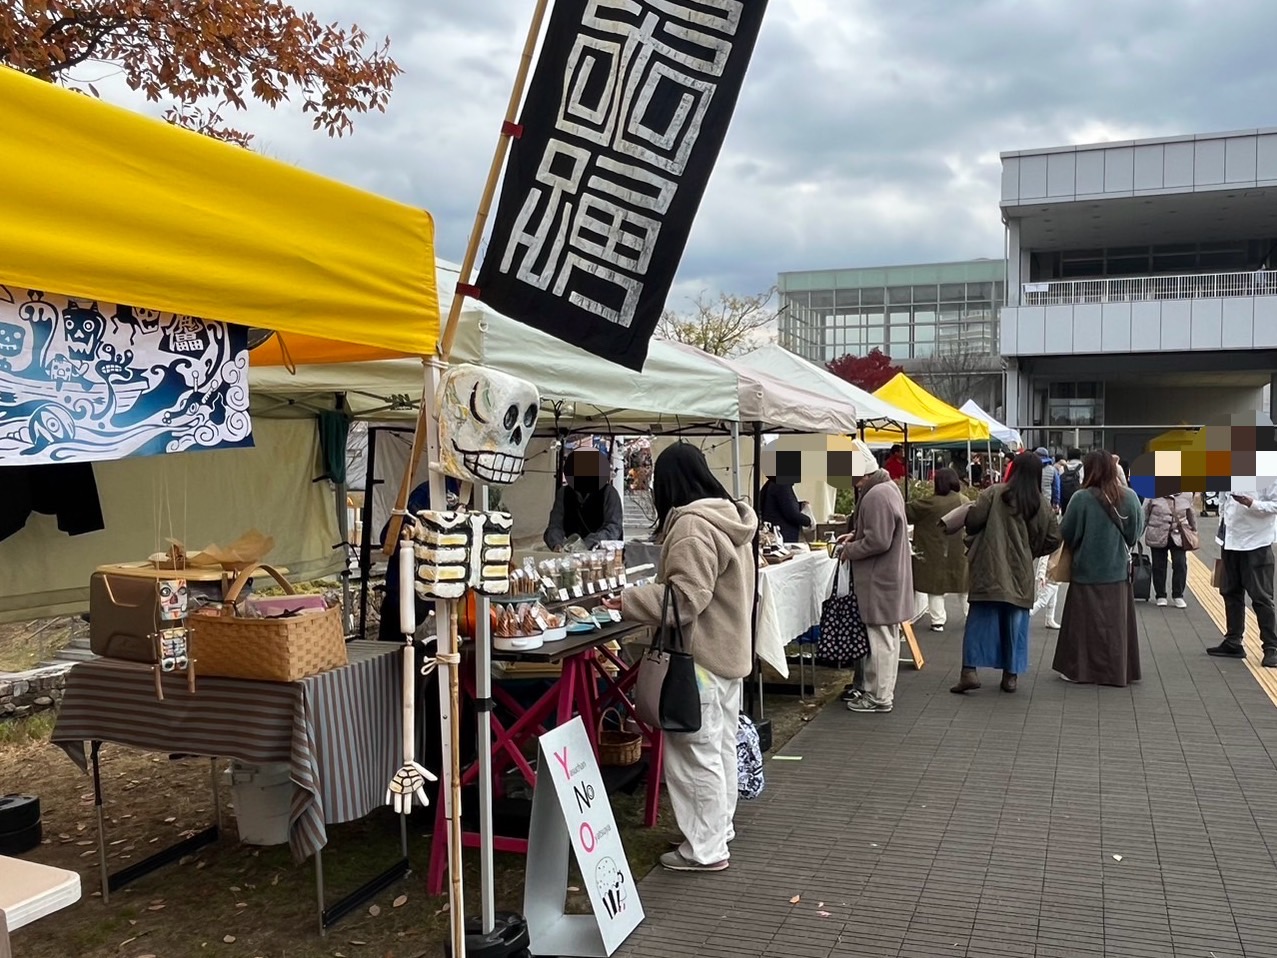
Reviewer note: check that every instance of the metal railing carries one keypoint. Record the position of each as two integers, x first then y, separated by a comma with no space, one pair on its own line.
1132,289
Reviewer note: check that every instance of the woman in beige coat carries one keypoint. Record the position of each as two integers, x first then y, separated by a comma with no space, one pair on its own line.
1169,527
882,575
707,560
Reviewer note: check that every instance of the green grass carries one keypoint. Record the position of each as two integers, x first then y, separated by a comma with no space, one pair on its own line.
28,729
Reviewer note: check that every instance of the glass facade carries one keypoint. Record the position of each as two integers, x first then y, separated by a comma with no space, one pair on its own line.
909,312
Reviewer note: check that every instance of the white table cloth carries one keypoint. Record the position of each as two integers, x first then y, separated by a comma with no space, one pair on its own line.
789,599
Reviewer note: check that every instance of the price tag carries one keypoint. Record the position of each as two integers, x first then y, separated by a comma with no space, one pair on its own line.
612,584
591,588
548,584
563,595
539,619
578,591
614,615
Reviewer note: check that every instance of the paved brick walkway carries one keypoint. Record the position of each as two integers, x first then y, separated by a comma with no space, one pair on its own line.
990,824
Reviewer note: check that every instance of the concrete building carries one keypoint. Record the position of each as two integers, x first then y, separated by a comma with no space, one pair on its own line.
939,321
1138,291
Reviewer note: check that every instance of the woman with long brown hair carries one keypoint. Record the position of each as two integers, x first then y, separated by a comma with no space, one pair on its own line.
1010,525
1099,635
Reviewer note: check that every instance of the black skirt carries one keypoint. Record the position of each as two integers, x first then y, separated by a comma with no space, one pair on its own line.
1099,635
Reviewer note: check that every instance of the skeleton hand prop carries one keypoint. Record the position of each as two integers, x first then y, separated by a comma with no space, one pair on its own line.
408,781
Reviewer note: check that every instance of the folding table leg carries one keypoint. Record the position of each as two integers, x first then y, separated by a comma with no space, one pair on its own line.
101,815
319,890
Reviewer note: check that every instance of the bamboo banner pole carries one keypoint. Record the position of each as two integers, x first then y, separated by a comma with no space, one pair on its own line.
449,334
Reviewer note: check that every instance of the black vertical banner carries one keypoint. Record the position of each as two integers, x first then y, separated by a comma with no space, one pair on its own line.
621,126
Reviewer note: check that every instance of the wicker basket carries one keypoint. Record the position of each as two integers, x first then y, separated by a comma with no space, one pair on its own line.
618,748
270,650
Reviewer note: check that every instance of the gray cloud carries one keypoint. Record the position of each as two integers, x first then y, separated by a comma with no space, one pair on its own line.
867,132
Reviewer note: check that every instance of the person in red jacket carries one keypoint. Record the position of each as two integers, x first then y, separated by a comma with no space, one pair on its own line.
895,464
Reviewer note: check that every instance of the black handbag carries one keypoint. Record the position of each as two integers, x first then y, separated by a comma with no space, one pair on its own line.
843,634
666,694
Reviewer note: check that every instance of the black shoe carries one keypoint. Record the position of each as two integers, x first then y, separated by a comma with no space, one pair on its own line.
850,694
1270,659
1227,650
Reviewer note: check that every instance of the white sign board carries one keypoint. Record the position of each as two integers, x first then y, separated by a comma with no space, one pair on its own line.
570,808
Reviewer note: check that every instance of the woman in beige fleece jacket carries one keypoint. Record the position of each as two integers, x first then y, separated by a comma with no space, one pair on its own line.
707,559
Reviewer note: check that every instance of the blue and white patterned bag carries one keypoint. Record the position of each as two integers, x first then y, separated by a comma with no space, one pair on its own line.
749,759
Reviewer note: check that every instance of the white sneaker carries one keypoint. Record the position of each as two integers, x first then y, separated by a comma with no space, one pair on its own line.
1181,604
1053,626
1161,603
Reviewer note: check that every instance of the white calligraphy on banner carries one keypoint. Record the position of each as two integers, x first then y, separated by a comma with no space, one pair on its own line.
82,381
638,83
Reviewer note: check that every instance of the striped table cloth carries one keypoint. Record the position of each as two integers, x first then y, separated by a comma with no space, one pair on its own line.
338,731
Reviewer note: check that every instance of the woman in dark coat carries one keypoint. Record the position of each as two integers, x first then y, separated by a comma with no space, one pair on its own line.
1099,636
778,505
1010,525
939,560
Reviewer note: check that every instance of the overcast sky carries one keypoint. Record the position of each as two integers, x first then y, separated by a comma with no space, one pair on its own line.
867,133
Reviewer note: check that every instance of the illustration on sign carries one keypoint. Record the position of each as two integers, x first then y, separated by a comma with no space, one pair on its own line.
85,381
570,808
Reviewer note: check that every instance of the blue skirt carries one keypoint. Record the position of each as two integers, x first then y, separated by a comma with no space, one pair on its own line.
996,637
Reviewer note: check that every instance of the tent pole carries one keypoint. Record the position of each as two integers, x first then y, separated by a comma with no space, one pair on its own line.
365,543
736,461
908,462
755,691
449,334
483,697
341,491
970,470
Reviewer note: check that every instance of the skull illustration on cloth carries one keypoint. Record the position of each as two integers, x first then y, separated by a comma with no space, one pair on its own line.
486,419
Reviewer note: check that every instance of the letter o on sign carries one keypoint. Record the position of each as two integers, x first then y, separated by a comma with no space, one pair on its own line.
587,837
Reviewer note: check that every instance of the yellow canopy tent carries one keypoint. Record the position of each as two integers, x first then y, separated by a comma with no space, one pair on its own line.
1172,440
952,425
105,204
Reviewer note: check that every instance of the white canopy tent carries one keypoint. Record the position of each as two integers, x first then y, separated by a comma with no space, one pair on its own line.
780,363
1004,434
679,388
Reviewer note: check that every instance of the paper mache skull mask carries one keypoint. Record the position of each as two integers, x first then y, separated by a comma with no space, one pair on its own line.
486,419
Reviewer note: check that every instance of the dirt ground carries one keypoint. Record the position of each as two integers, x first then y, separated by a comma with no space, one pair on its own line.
235,900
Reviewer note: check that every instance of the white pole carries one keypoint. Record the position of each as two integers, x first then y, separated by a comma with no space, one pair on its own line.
736,460
483,692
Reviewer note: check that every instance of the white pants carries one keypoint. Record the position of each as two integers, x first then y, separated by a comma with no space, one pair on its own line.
1048,593
700,772
883,664
934,607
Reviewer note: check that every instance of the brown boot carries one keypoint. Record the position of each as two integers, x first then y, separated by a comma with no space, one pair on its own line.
967,681
1008,682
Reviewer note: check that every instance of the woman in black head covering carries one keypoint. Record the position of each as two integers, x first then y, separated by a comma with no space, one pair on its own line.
587,504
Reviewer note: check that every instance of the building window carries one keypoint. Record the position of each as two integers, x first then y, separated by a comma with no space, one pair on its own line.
872,296
900,294
846,297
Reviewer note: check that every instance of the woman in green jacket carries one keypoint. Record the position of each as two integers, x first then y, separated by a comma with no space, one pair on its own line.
1010,526
939,562
1099,635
